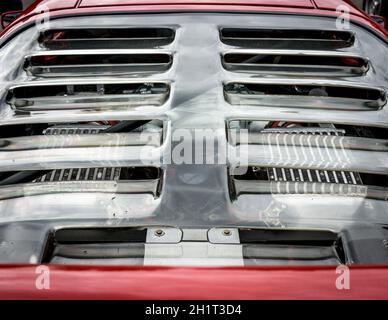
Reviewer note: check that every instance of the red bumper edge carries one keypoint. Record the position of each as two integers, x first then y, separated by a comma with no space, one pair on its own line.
188,283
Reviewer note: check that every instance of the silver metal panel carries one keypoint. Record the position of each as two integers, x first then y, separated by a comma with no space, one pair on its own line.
164,235
193,196
193,254
79,187
224,235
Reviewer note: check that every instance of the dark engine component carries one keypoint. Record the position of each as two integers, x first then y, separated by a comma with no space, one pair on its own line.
302,175
86,174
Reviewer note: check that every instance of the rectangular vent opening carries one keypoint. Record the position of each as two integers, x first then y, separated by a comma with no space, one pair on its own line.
307,64
108,38
304,175
288,236
116,180
254,128
81,174
287,38
56,65
133,128
286,180
28,98
293,246
283,180
258,129
126,246
319,96
95,244
101,174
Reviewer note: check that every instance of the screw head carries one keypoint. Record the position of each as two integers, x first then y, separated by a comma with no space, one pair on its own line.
227,232
159,233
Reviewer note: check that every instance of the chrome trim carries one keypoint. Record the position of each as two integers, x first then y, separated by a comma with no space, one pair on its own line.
101,140
297,69
331,142
110,42
242,187
287,42
74,70
310,102
94,101
116,187
77,157
308,157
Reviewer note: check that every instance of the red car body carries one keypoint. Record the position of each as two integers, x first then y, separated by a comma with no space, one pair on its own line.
160,283
84,7
18,282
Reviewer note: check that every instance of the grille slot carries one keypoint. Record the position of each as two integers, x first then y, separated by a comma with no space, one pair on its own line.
87,96
87,174
307,175
101,174
321,95
94,63
282,176
90,174
287,38
302,175
262,180
296,63
257,180
100,38
309,130
81,129
129,180
321,176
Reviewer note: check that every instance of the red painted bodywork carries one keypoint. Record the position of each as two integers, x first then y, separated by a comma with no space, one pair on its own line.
143,283
78,7
71,282
267,3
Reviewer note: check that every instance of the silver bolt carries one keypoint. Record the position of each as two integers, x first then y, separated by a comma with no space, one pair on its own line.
227,233
159,233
